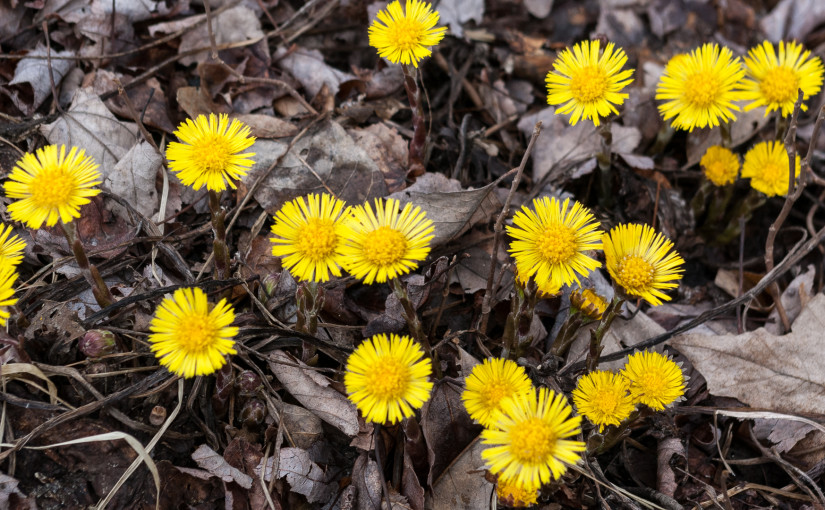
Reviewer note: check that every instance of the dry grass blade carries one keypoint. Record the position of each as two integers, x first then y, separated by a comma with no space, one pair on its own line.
20,370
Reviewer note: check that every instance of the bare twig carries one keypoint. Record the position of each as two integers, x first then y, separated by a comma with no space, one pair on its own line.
55,101
486,304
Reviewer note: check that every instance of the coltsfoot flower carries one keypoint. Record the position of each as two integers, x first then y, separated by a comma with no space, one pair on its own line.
720,165
655,380
387,378
8,276
511,494
766,164
488,384
11,247
603,398
589,303
406,37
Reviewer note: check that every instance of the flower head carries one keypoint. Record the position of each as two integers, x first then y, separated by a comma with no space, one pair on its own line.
405,37
766,164
655,380
637,259
551,241
699,88
388,378
189,337
386,243
529,444
588,83
11,247
720,164
51,185
511,494
209,152
8,275
488,384
309,236
603,398
774,81
589,303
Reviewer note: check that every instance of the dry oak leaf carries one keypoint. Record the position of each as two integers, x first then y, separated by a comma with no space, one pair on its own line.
211,461
780,373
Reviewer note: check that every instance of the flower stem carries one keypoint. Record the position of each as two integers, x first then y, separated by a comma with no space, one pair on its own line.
743,209
101,292
414,323
219,249
605,173
567,333
418,143
597,335
724,130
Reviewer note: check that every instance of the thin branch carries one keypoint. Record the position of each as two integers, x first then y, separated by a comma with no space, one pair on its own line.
486,304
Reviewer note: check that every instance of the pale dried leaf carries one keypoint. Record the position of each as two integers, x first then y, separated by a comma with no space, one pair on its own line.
463,485
134,10
457,12
325,159
388,149
266,126
794,298
793,19
325,402
11,18
8,487
780,373
366,478
31,85
539,8
90,125
133,178
211,461
237,24
309,68
304,476
301,425
561,146
452,212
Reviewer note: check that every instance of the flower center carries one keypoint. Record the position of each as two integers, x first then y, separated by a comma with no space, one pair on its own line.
772,172
780,85
588,84
701,89
317,239
652,383
212,153
717,171
384,246
52,187
635,273
494,391
406,33
388,379
532,441
557,244
607,400
196,332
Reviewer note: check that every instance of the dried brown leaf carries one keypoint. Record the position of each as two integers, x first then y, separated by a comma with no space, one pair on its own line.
133,178
304,476
31,85
236,24
211,461
463,485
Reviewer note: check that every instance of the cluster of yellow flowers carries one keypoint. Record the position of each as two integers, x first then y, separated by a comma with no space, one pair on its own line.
318,236
648,378
766,164
551,241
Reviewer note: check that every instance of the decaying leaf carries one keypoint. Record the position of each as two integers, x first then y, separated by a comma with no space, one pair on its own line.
31,85
463,485
452,210
90,125
304,476
388,149
236,24
793,20
780,373
211,461
309,68
457,12
313,392
133,178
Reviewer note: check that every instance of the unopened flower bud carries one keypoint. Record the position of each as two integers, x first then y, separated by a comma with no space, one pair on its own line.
157,416
253,413
269,284
248,382
97,342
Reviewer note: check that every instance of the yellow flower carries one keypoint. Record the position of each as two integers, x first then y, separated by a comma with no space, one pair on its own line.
388,378
309,236
766,164
191,338
637,259
603,398
589,303
488,384
51,185
512,494
529,445
588,84
210,151
386,243
699,88
11,247
551,241
774,82
405,37
8,275
655,380
720,164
